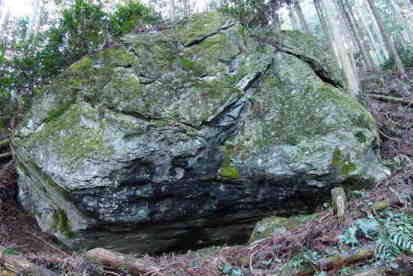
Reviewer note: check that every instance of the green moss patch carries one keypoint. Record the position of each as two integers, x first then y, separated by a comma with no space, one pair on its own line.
62,224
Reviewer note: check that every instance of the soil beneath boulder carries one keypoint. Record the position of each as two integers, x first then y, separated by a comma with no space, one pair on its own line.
18,229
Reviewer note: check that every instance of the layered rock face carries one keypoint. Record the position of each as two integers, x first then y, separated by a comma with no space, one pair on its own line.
188,136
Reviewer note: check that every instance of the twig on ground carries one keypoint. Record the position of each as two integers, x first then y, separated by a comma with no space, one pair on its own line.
114,259
391,99
49,244
4,142
20,264
7,154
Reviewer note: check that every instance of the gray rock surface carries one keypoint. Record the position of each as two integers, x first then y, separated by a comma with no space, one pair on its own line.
186,137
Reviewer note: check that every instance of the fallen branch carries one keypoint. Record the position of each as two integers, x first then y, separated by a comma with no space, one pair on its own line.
49,244
336,262
118,260
7,154
372,272
391,99
20,265
4,142
5,168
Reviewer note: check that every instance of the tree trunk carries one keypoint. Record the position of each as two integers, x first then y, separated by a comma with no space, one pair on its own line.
367,59
326,29
276,21
293,19
378,49
408,29
4,25
186,7
35,20
172,10
345,58
301,17
387,41
364,34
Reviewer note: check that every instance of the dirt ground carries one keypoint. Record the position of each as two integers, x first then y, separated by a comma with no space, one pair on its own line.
18,229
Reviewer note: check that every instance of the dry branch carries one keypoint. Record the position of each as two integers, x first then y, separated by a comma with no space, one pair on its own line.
371,272
4,142
118,260
391,99
337,262
19,264
7,154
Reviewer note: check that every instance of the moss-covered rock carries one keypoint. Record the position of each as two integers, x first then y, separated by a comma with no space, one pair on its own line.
199,125
274,225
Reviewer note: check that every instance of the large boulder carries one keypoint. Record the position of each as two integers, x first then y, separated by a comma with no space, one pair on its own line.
188,136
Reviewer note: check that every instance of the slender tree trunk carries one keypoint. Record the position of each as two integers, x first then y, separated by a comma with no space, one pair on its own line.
186,7
2,8
387,41
375,30
363,34
293,19
276,20
301,17
338,38
408,29
326,29
356,37
4,25
378,49
35,20
172,10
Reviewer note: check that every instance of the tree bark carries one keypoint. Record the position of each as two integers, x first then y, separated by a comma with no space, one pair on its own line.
172,10
4,25
301,17
378,50
387,41
293,19
363,33
326,29
367,59
408,29
133,265
344,57
276,20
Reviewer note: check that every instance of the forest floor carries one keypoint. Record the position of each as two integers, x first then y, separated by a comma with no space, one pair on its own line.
326,245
